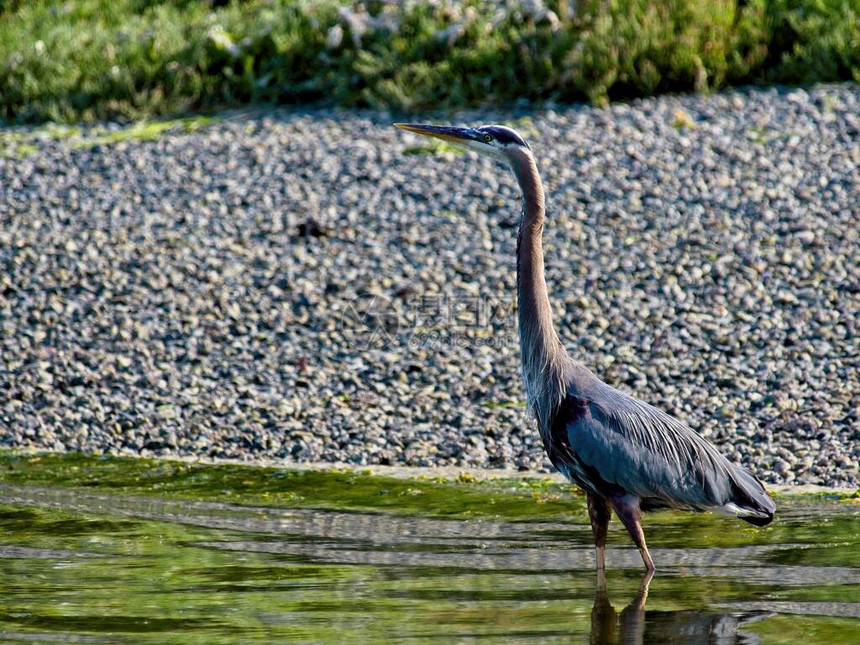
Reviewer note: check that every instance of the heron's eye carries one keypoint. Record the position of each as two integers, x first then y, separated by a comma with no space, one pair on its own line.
488,138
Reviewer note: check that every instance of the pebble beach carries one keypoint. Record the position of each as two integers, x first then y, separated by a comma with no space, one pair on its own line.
317,286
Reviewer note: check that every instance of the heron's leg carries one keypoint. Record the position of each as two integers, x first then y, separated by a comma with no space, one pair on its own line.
627,510
598,512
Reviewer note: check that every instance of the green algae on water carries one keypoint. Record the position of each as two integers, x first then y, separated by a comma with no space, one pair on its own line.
150,551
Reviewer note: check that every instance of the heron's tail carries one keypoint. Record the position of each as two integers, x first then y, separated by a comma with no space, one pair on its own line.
750,501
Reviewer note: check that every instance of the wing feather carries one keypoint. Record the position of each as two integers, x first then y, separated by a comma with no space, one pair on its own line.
624,443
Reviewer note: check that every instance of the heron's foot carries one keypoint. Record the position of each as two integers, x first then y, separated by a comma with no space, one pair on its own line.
650,569
647,578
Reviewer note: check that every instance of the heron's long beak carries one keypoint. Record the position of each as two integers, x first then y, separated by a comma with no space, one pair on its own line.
444,132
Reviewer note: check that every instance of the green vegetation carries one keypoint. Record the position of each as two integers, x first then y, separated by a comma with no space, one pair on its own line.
16,149
788,630
18,143
503,498
434,148
91,59
463,497
145,131
505,404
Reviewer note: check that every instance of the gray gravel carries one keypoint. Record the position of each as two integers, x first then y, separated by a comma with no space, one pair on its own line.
318,286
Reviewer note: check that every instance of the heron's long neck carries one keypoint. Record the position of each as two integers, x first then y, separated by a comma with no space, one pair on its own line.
540,349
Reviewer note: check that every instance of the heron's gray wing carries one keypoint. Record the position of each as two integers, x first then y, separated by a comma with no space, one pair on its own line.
623,444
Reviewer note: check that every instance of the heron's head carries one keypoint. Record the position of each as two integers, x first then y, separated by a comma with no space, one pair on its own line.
496,141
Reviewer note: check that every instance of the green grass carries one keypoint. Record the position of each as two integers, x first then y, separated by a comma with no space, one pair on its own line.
146,131
19,144
70,60
434,148
16,148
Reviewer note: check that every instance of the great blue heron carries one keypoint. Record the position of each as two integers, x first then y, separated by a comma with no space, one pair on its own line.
624,453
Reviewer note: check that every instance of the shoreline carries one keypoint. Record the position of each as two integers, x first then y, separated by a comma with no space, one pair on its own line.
438,474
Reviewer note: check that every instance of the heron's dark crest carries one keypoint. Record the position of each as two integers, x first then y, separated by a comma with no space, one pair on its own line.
504,135
624,453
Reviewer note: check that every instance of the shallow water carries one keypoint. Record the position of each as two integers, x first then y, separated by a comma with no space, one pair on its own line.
100,566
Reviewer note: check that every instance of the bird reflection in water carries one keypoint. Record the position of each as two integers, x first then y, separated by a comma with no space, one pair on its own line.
634,626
